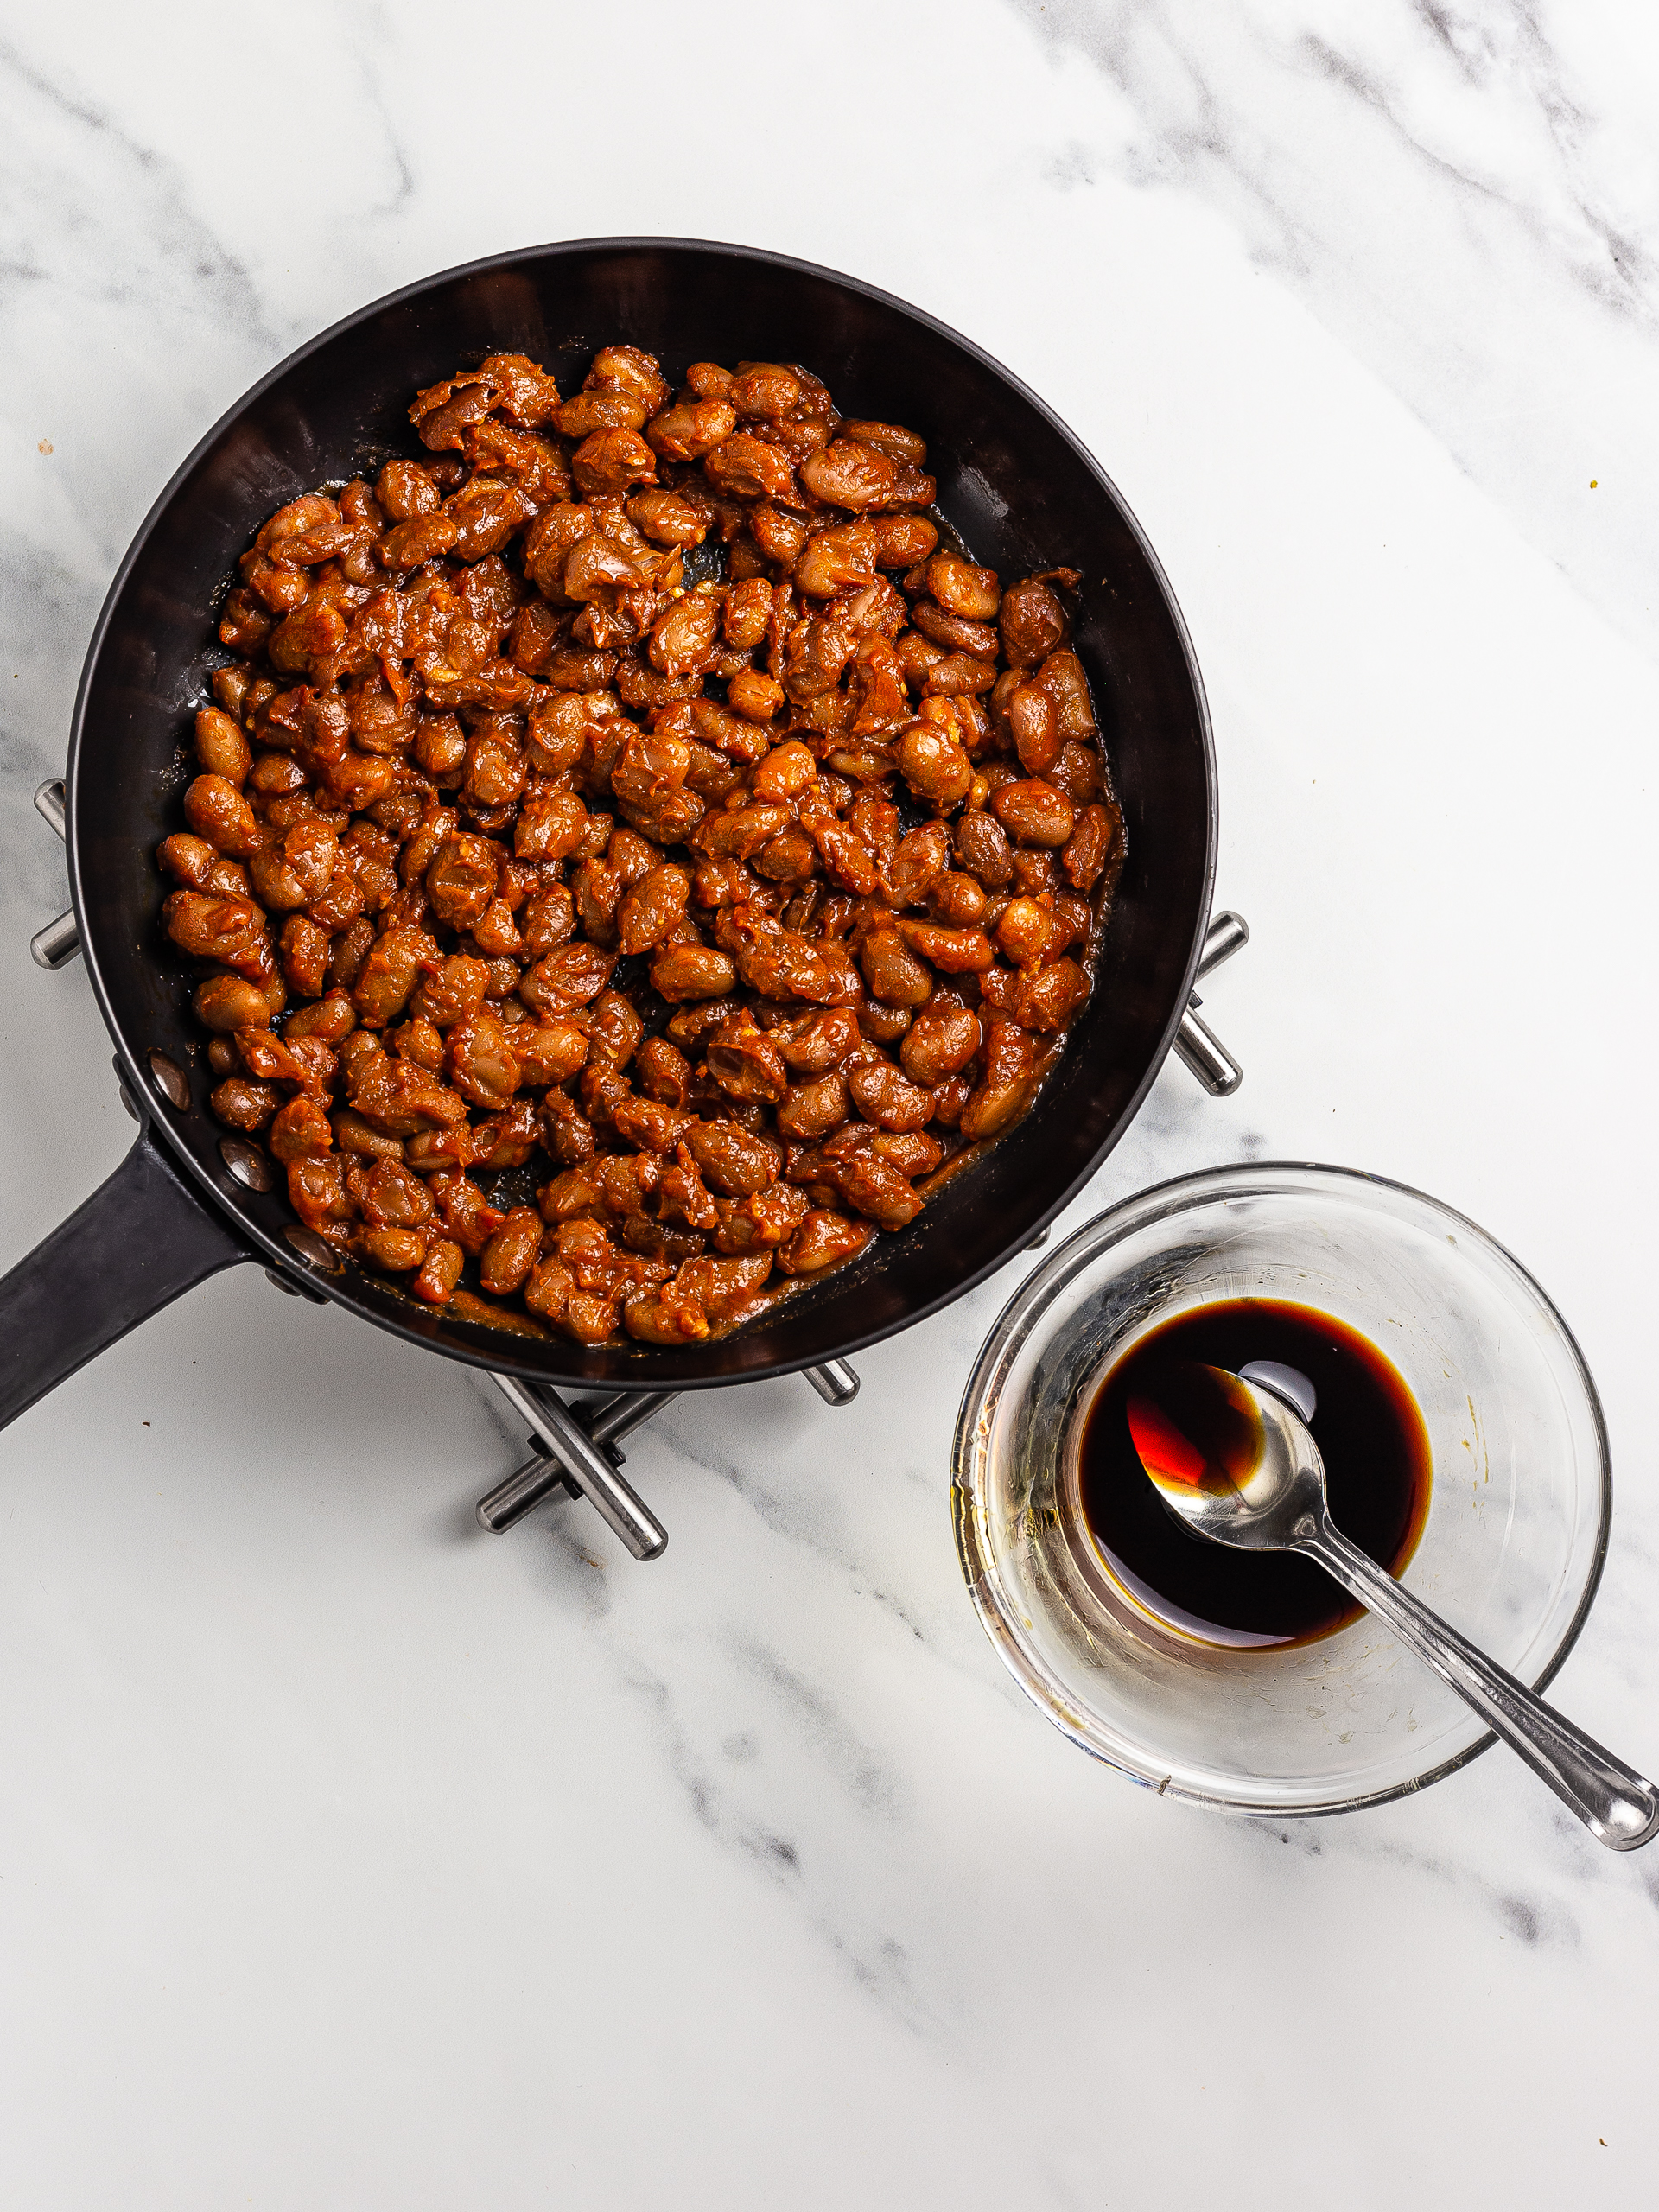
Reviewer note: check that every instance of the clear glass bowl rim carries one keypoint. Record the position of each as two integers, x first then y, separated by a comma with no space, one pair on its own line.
1156,1203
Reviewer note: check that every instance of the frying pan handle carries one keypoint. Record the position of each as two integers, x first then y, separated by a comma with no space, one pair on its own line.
138,1242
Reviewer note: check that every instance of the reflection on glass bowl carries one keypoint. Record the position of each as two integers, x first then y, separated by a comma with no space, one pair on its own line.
1510,1551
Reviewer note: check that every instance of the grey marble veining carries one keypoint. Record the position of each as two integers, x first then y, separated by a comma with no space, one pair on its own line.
1466,193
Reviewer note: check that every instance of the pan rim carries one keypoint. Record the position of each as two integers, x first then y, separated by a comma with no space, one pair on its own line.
340,1292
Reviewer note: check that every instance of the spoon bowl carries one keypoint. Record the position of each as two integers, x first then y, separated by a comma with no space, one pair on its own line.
1237,1463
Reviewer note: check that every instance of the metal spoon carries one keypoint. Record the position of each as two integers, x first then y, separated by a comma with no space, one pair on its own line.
1246,1472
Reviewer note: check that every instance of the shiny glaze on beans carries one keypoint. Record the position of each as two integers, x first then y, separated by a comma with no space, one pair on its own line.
630,856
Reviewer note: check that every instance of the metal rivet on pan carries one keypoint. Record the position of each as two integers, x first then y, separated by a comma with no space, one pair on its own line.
170,1080
311,1247
247,1163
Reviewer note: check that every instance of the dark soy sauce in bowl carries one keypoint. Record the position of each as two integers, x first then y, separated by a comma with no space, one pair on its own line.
1369,1430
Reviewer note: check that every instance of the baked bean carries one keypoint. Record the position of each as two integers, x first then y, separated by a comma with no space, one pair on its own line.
889,438
743,467
835,558
875,1187
956,900
777,534
191,860
440,1272
787,857
211,928
220,747
684,639
754,696
567,978
965,590
1036,873
216,811
824,1240
1035,812
301,1131
611,460
882,1024
959,675
811,1044
480,1061
393,1251
812,1110
1023,931
743,1060
764,388
953,632
295,869
651,1124
729,1159
848,474
630,369
388,975
740,833
332,1019
902,540
1006,1083
354,1134
692,429
1050,996
244,1103
462,880
394,1198
1087,848
921,859
600,410
1032,623
816,652
940,1042
692,971
1061,675
511,1252
787,771
893,971
908,1150
226,1003
953,952
885,1096
934,764
653,909
1034,724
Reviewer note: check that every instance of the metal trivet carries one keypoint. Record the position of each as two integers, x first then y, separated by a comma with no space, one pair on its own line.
576,1453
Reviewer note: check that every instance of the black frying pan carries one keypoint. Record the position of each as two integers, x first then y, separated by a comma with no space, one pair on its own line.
1011,478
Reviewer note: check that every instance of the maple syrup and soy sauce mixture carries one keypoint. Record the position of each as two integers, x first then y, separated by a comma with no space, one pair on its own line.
1367,1426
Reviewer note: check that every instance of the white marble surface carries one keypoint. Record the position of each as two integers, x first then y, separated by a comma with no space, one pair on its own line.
348,1857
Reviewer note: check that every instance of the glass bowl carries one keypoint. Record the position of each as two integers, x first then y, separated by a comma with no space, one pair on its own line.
1510,1553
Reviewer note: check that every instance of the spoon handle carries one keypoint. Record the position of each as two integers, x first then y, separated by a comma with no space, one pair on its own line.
1617,1805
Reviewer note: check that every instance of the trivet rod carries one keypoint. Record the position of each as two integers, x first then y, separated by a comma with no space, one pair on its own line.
52,804
836,1382
628,1410
522,1491
56,945
1207,1057
615,1500
504,1506
1225,936
1196,1042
